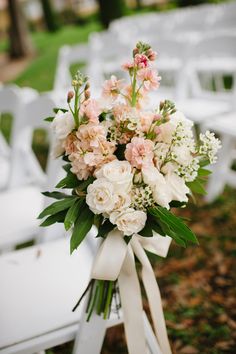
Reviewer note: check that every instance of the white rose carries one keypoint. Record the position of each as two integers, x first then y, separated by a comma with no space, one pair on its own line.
183,155
63,124
123,201
157,182
177,187
129,221
100,196
57,148
117,172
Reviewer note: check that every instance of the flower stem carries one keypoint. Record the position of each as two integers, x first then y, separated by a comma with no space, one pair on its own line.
133,102
108,300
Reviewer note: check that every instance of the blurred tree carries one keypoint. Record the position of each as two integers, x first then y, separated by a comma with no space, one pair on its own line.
19,38
49,16
183,3
110,10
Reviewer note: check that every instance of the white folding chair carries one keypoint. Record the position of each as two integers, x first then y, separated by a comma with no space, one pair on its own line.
12,100
211,59
223,173
40,286
21,204
67,56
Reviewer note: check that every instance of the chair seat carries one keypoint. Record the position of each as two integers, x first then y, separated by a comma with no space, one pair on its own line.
224,125
19,208
39,287
200,110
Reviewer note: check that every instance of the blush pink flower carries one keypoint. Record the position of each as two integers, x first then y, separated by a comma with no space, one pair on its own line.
146,119
112,87
141,61
139,152
150,78
127,66
90,135
79,167
69,144
91,110
151,54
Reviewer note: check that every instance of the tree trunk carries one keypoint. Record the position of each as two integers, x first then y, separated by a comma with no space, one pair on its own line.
20,41
110,10
49,16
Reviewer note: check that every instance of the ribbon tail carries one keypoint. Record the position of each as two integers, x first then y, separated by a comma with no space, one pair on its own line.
154,297
130,294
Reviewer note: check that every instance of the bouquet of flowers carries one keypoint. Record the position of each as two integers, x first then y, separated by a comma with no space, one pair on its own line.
127,167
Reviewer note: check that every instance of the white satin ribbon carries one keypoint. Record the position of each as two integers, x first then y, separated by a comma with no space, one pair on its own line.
115,260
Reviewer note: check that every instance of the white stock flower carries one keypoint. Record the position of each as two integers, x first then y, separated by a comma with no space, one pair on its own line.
100,196
157,182
130,221
118,173
209,146
63,124
177,187
182,155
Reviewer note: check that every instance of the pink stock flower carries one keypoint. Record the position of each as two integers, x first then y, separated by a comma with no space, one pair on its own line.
90,135
151,54
91,110
146,119
127,66
79,167
141,61
140,152
150,78
69,144
112,87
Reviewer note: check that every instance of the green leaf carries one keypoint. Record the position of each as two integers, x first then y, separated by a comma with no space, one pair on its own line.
147,230
72,213
57,206
203,163
177,204
55,195
52,219
56,110
84,184
70,181
82,226
67,167
105,228
202,172
49,119
196,187
175,224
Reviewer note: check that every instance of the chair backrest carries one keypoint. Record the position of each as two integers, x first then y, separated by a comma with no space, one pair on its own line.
25,166
212,60
67,56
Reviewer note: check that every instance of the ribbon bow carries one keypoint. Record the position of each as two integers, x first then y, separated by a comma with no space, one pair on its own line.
115,260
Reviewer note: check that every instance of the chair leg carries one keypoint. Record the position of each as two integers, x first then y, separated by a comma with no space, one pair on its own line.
91,335
152,343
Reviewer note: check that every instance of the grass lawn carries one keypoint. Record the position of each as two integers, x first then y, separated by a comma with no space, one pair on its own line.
41,71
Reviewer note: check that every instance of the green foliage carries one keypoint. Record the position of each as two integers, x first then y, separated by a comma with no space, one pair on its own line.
41,71
70,181
72,213
55,195
82,226
105,228
56,207
52,219
173,226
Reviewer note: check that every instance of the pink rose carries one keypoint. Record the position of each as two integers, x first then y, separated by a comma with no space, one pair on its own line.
139,152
